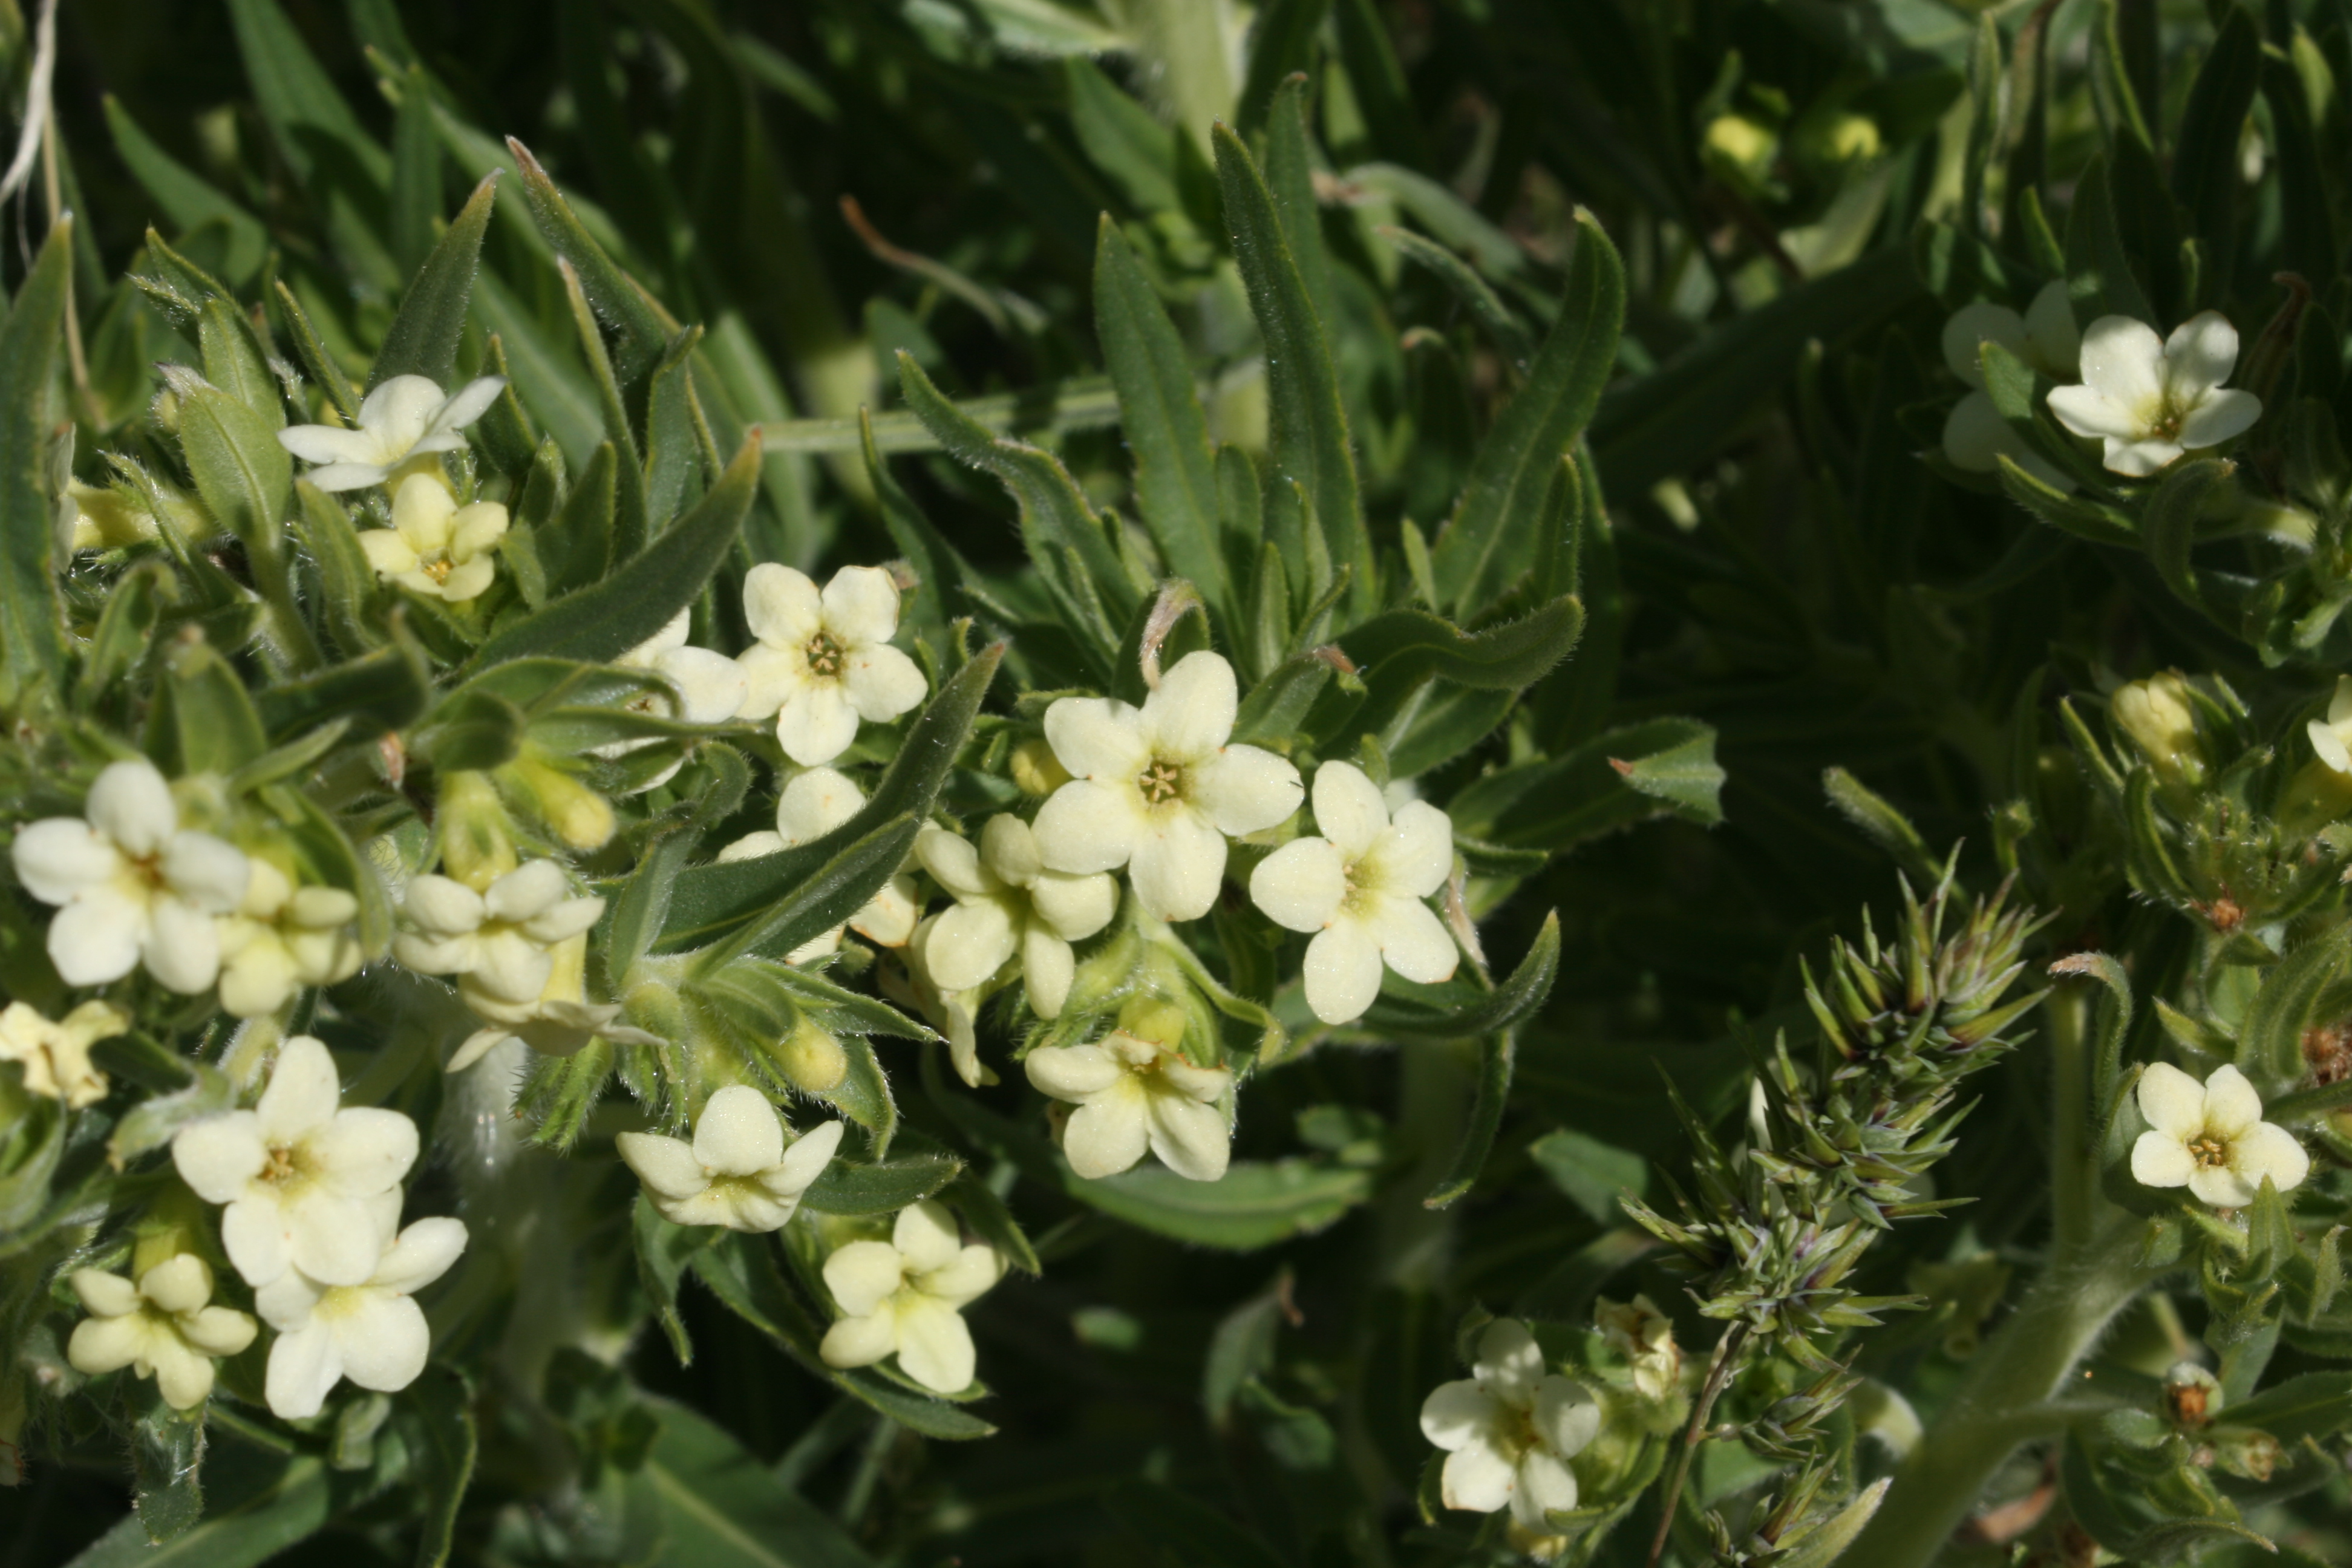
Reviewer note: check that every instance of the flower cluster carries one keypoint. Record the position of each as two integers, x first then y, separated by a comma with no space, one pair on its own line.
904,1297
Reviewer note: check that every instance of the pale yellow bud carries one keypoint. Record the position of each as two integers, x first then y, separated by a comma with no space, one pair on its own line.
1036,770
477,848
813,1059
2156,714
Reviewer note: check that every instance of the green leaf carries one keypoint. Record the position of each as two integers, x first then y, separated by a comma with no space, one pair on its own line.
1499,1052
709,900
852,1189
1176,1527
167,1452
215,727
2098,265
437,1420
1406,1012
291,1505
1307,439
185,197
663,1253
1822,1544
673,455
1489,545
316,358
379,691
1414,645
1253,1205
1160,412
423,339
32,625
2314,1405
1882,824
645,332
824,900
607,619
232,362
2270,1042
1510,334
1615,780
245,478
416,172
1590,1172
724,1511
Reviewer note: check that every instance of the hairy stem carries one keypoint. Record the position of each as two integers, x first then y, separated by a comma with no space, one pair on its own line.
2006,1399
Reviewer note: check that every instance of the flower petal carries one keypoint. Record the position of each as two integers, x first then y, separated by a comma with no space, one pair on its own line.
1178,866
804,1161
1047,967
1348,810
926,1236
769,676
1510,1365
817,724
103,1294
96,938
2052,339
1301,885
530,889
1009,850
973,1272
1458,1413
2087,411
2329,746
1413,941
384,1341
2172,1102
398,413
739,1133
969,943
1097,738
782,606
2221,1187
364,1150
304,1367
327,444
859,1340
218,1330
181,947
861,606
466,404
862,1275
666,1165
217,1156
208,872
2139,459
336,478
2223,415
422,1254
1342,971
813,804
1109,1134
255,1239
1074,907
1190,1138
711,686
2274,1152
2161,1160
335,1241
1191,713
1566,1415
1243,789
955,865
444,906
882,682
131,804
1073,1073
2199,356
303,1095
2232,1108
2125,360
60,857
1085,826
934,1346
1477,1478
1416,854
1975,434
1544,1483
101,1345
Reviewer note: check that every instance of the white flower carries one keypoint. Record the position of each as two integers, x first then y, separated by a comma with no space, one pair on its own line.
368,1330
901,1297
499,943
133,885
738,1172
2212,1139
1157,790
303,1177
825,662
2151,398
706,687
282,937
558,1022
1360,889
55,1056
2044,338
2329,737
955,1014
814,803
407,416
1008,902
436,547
1134,1094
1509,1428
161,1327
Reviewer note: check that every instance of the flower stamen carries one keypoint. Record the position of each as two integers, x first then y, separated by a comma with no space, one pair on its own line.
1160,783
825,656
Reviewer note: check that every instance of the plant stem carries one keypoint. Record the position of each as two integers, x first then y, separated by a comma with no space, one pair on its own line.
2005,1399
1718,1373
2074,1194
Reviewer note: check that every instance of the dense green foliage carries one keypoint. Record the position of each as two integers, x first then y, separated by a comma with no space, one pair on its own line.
1548,407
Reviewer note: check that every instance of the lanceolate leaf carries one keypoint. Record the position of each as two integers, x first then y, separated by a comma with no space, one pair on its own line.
1308,436
1406,1012
2270,1043
1253,1205
32,631
423,339
1159,411
606,620
1490,543
1505,658
1611,782
644,329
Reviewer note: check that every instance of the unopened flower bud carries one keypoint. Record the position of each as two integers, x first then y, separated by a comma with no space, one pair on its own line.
1738,148
2157,715
1836,139
575,814
811,1059
2192,1396
1035,769
477,848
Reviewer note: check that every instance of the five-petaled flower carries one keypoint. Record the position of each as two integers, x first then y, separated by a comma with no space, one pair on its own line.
56,1056
824,661
436,547
1134,1095
2151,399
1360,889
2212,1139
1509,1429
2045,338
282,937
739,1172
704,687
812,805
901,1297
163,1327
404,418
1008,902
1159,789
367,1331
499,943
304,1177
133,885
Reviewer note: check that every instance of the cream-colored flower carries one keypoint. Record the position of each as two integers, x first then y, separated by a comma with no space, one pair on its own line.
1509,1429
2045,338
436,547
302,1175
825,661
955,1014
282,937
499,942
704,687
558,1022
55,1056
163,1327
1159,789
813,802
2329,736
406,417
1008,902
1135,1095
738,1172
2212,1139
133,885
1360,889
1645,1336
369,1330
2151,399
901,1297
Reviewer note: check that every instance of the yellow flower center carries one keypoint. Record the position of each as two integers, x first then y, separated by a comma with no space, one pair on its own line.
825,656
284,1165
2210,1151
1160,782
438,568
